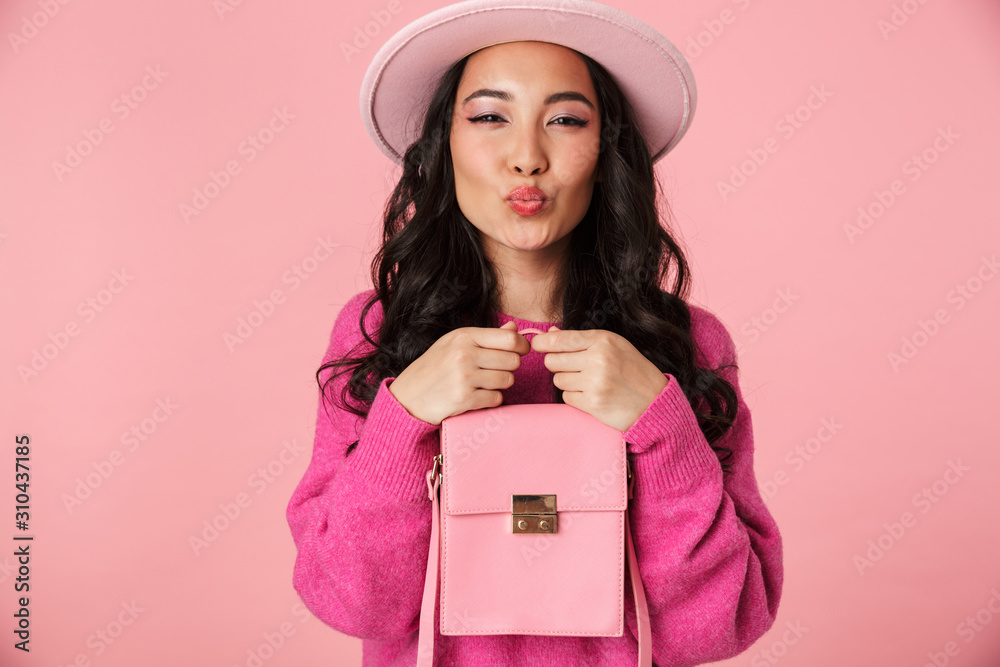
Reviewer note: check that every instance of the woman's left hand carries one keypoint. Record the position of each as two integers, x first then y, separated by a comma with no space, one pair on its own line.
600,373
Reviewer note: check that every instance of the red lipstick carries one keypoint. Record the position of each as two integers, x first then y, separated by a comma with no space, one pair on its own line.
527,200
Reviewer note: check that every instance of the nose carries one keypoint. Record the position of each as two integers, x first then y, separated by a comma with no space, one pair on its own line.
527,154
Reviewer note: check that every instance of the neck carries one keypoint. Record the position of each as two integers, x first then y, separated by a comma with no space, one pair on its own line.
530,283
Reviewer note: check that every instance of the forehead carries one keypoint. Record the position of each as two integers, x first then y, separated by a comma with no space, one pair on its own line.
527,64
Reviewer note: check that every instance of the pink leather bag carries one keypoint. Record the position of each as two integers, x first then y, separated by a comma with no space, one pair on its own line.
531,528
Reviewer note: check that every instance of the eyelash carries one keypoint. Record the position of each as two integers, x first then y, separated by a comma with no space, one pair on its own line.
572,121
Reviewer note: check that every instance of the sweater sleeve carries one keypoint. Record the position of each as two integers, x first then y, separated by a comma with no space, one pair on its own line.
361,521
709,552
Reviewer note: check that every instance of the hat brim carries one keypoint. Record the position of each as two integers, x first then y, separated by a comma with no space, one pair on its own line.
651,71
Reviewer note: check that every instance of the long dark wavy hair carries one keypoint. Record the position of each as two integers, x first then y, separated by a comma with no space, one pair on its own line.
432,276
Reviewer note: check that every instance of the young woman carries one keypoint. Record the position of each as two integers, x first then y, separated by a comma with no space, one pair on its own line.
528,199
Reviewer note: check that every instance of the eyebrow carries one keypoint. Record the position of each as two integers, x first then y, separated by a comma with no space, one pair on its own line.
566,95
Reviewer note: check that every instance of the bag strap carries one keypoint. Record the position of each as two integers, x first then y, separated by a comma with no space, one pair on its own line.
425,643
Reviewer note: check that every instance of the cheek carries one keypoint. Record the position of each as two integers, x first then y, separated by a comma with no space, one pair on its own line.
579,163
470,159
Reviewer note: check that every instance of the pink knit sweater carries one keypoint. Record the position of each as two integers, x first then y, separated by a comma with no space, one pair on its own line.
709,552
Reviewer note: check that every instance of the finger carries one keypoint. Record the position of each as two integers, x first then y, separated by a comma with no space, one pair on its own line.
499,360
573,381
504,337
490,379
564,362
485,398
560,340
573,398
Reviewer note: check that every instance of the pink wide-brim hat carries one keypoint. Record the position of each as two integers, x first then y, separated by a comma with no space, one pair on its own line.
405,71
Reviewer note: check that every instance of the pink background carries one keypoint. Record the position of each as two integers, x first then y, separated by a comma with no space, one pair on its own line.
818,356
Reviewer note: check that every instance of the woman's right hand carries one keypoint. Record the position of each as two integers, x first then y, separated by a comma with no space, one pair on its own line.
465,369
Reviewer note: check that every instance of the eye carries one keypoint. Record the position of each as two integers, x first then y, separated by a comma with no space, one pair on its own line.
568,120
482,119
571,121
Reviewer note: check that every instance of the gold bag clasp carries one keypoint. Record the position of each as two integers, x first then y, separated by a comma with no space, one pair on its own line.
532,513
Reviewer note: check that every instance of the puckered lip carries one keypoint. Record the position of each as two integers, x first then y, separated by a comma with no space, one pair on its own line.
527,193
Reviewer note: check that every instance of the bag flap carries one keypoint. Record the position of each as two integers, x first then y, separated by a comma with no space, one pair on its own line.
491,454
